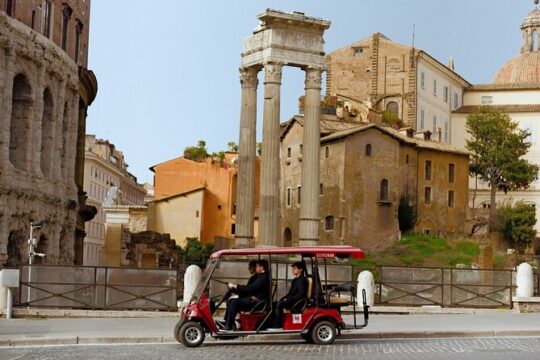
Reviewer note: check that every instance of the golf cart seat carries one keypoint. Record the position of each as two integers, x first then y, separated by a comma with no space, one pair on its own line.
338,300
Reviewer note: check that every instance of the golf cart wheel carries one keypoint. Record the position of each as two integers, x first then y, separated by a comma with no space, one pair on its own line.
191,334
307,337
177,329
323,333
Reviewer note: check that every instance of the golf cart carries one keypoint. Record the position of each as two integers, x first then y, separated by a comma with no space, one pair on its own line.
317,318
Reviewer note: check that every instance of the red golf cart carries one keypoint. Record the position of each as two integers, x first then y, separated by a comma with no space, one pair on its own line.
317,318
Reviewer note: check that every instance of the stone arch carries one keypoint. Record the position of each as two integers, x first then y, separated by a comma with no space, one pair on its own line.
21,111
287,237
16,241
393,107
47,139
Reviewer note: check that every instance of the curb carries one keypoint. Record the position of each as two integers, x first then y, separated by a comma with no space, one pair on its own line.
86,340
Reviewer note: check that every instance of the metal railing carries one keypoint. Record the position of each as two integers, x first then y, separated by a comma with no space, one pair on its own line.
105,288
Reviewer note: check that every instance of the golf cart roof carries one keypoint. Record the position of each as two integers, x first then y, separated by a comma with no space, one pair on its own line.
316,251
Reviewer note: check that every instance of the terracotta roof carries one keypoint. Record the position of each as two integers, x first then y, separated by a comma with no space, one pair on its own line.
184,193
511,86
419,143
329,124
525,108
522,68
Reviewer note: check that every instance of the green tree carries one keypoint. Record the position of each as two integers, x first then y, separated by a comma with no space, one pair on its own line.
198,152
406,214
516,224
195,252
232,146
497,146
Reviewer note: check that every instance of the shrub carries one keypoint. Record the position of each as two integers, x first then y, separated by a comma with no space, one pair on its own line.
516,224
195,252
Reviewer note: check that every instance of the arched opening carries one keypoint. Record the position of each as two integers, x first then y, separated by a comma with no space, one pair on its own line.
21,109
368,150
47,126
65,122
287,237
16,242
393,107
329,223
384,190
535,40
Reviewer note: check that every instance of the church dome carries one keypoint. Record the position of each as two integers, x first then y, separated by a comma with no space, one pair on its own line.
524,68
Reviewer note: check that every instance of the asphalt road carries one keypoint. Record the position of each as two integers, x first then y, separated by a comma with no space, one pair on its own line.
462,349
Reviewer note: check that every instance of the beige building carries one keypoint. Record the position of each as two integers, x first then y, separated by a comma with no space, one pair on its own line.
379,73
108,182
365,170
515,90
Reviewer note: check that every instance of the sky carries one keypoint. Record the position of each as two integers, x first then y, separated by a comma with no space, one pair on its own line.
168,69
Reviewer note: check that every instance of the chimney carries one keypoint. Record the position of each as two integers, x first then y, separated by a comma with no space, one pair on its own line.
427,135
410,132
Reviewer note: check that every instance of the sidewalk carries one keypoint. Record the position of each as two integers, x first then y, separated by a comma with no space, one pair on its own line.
21,332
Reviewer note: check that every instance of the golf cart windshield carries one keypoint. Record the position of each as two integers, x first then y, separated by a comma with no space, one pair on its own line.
201,286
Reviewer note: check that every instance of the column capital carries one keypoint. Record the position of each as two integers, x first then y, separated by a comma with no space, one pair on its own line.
248,77
313,78
272,73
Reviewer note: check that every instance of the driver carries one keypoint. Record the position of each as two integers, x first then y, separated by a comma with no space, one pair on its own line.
249,294
232,293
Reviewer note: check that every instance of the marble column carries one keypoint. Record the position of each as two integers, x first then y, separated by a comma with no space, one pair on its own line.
269,215
309,208
247,157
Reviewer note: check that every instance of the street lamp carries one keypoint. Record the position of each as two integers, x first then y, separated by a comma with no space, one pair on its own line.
32,243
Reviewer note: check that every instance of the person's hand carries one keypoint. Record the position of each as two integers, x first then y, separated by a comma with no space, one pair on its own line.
232,286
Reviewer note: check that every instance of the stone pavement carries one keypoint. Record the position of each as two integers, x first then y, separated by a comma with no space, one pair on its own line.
19,332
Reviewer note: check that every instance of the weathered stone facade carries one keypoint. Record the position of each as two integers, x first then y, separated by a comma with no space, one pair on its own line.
40,113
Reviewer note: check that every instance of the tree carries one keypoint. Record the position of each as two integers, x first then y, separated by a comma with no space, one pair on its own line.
516,224
196,153
406,214
232,146
497,146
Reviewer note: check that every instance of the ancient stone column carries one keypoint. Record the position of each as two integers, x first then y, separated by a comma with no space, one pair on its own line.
269,214
309,208
247,157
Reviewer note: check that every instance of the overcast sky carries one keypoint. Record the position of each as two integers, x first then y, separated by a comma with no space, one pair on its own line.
168,69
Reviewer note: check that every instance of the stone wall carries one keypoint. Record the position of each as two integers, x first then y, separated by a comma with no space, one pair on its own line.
39,106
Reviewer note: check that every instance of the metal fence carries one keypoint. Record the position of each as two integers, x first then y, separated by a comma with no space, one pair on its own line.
447,287
86,287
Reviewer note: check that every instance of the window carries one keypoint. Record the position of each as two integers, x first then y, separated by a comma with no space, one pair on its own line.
456,100
427,170
422,119
288,152
445,94
329,223
486,100
427,195
451,173
422,80
320,189
383,194
233,228
406,158
299,198
219,207
66,14
358,51
326,152
47,15
535,40
8,7
434,124
33,19
288,197
78,31
434,87
368,150
451,201
446,131
301,149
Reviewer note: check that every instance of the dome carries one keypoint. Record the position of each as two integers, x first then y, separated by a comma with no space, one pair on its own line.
524,68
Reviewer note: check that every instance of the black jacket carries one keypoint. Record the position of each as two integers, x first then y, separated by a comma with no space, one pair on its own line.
298,290
252,278
259,288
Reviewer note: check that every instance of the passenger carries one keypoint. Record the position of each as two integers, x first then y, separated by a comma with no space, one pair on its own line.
249,294
297,292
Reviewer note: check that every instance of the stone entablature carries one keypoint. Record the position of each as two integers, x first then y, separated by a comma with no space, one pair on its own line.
39,106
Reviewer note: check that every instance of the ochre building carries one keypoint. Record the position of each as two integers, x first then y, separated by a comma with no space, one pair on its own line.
45,90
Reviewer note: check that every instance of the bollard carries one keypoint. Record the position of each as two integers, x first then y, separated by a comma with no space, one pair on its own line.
191,279
365,282
9,307
524,279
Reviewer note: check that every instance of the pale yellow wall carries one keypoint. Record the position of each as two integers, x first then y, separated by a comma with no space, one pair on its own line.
177,216
503,97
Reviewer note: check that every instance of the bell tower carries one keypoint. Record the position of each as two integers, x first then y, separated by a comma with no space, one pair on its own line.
531,30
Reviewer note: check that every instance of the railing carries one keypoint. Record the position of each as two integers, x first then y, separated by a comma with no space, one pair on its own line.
105,288
447,287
